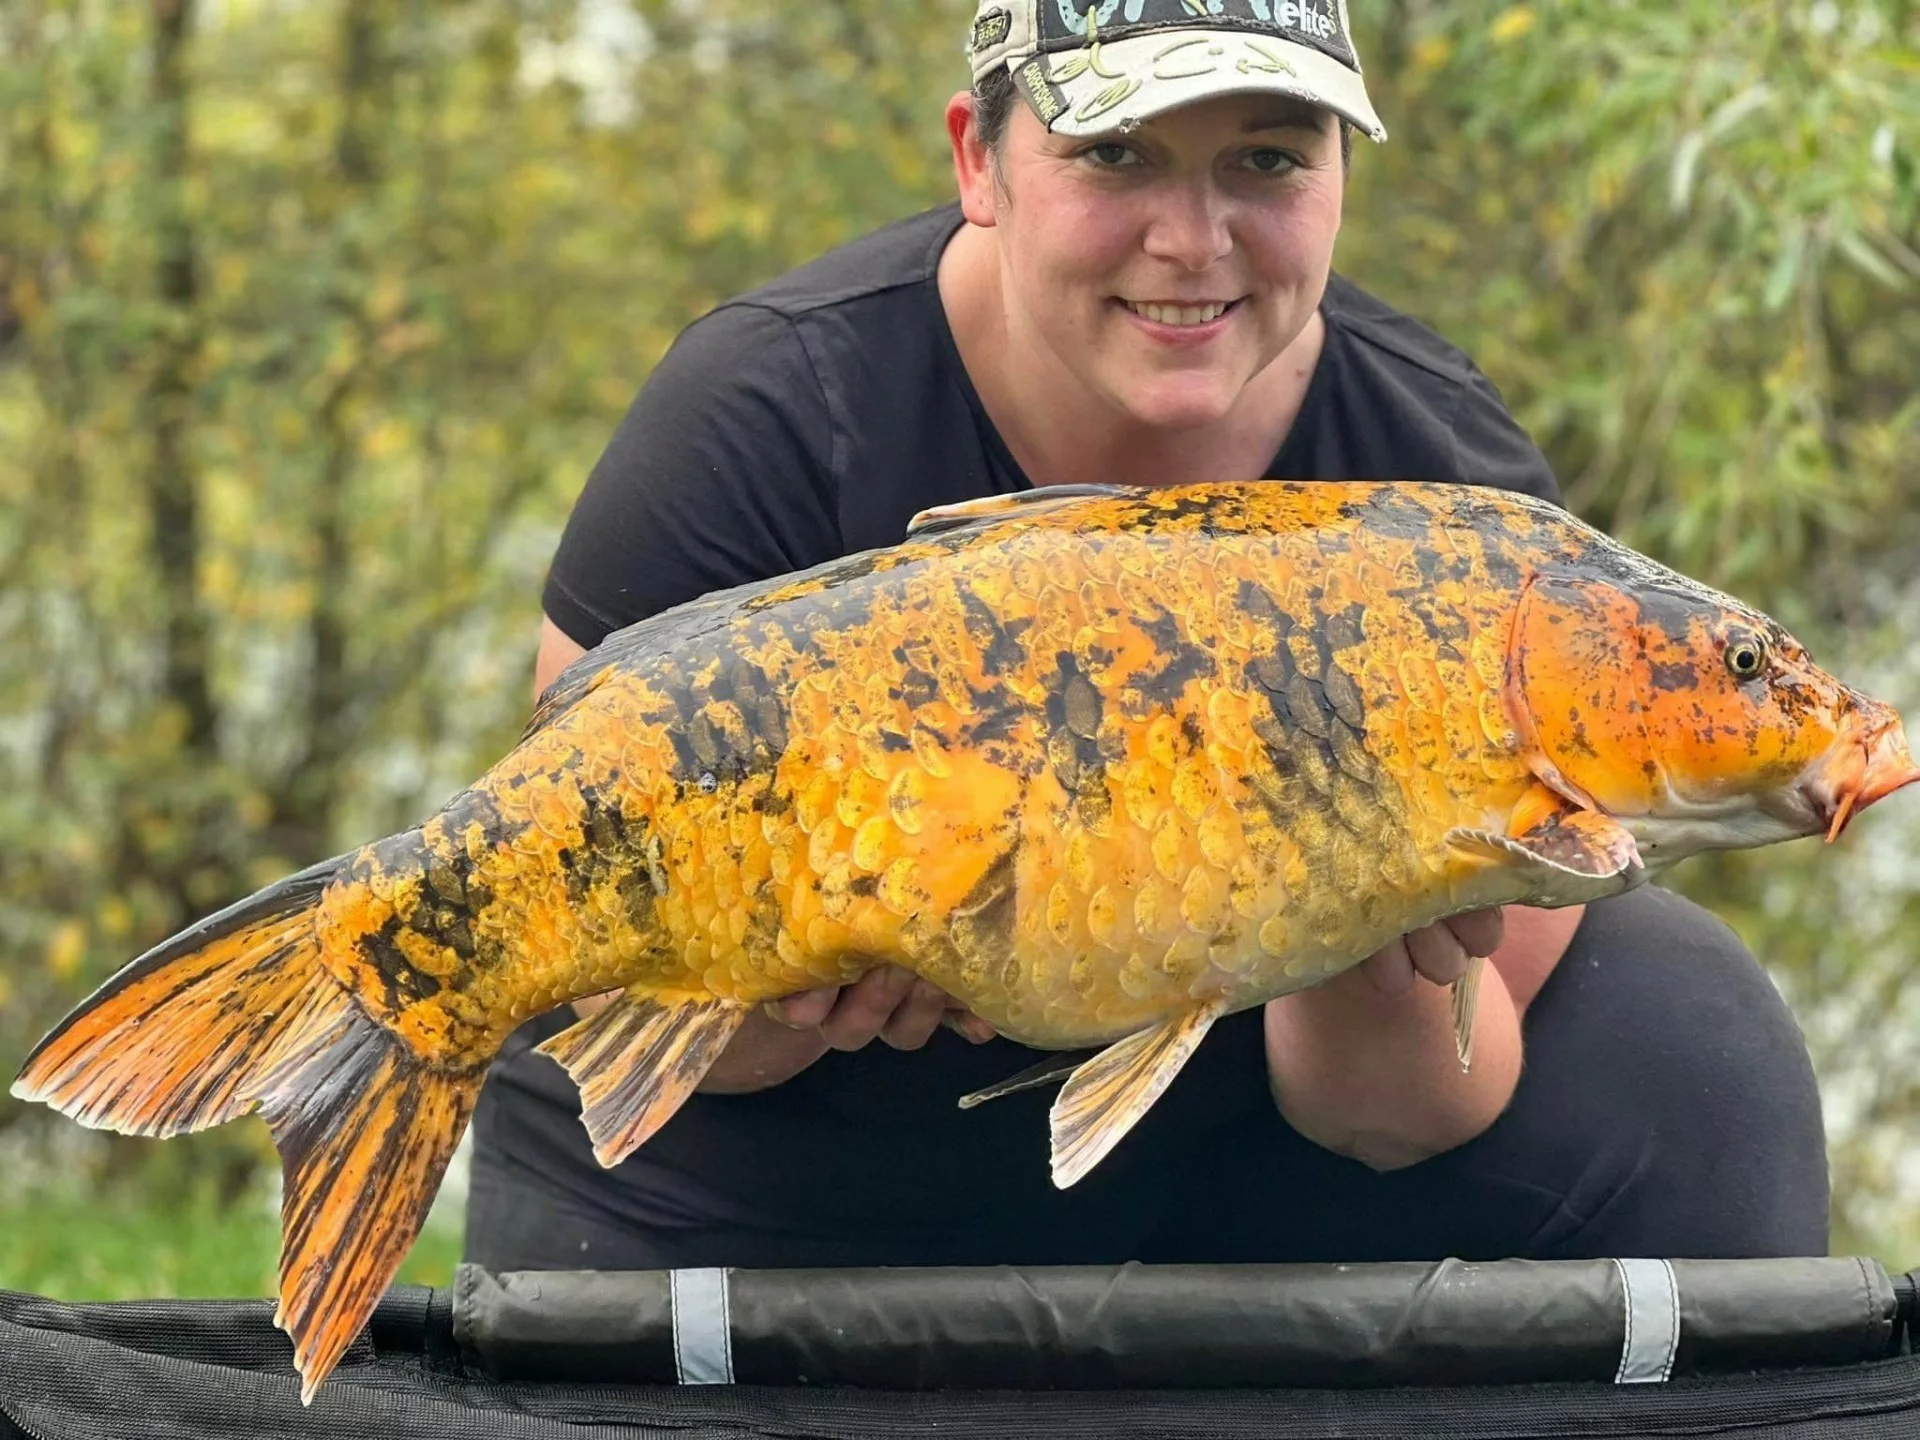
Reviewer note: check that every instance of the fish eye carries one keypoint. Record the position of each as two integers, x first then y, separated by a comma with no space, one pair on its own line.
1746,656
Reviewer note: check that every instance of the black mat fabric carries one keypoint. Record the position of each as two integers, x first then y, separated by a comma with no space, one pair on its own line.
179,1369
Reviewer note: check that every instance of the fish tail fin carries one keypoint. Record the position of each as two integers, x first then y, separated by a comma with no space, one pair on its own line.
171,1043
637,1060
238,1013
365,1129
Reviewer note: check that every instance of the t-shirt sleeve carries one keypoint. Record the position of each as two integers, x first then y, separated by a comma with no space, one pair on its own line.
1491,446
720,474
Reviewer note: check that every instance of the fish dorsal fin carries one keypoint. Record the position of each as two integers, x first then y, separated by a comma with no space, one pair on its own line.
1572,856
637,1060
1107,1095
569,687
991,509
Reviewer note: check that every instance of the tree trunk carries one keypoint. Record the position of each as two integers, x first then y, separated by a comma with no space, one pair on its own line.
310,808
172,497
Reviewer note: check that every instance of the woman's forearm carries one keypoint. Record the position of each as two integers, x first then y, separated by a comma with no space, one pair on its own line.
1376,1076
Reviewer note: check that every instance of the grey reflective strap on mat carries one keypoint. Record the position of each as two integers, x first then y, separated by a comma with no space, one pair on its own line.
702,1327
1652,1298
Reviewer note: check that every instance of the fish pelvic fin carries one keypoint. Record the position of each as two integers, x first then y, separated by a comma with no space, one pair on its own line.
1032,1078
238,1013
1106,1096
1466,1005
637,1060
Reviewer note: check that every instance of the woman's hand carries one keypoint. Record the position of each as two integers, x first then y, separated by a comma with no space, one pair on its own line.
1439,952
783,1037
1365,1064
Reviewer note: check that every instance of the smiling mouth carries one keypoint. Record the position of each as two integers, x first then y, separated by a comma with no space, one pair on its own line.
1183,315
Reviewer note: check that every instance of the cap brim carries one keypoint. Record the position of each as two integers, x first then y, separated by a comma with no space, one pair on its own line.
1147,75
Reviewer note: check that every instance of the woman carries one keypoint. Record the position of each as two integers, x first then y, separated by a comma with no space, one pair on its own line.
1136,287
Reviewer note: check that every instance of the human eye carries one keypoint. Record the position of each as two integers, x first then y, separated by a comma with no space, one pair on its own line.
1268,160
1110,155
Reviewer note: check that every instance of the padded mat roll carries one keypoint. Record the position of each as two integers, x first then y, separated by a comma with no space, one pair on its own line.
1208,1327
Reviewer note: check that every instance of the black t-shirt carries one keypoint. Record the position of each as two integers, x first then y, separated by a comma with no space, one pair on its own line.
816,415
813,418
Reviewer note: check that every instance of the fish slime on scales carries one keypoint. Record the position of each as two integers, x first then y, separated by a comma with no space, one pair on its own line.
1103,764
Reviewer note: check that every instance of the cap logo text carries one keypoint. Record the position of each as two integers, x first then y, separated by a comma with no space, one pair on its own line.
1046,100
991,29
1302,15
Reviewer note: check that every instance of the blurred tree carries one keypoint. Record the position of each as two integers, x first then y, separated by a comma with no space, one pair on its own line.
309,337
1683,238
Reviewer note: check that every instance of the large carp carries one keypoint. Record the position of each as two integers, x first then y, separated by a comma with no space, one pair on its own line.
1103,765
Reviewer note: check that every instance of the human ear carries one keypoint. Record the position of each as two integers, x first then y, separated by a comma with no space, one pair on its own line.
972,160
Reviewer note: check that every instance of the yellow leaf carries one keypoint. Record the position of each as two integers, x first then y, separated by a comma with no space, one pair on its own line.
27,300
66,948
389,293
220,580
384,439
116,917
1431,53
229,273
1512,24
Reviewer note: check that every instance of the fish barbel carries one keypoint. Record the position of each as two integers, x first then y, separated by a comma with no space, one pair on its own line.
1102,764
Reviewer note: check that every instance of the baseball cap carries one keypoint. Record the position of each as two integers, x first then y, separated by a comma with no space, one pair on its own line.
1092,66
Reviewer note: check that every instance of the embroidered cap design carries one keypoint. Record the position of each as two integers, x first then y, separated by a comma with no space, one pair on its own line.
991,29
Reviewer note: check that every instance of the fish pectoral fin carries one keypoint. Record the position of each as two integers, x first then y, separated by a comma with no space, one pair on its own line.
991,509
1575,856
1107,1095
1466,1004
1052,1068
637,1060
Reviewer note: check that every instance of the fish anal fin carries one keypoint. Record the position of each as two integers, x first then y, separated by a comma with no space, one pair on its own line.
1107,1095
638,1059
1573,856
991,509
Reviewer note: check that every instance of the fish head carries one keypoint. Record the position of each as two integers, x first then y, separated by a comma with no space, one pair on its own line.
1696,721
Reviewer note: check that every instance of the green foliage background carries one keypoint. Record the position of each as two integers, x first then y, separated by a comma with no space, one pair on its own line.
314,314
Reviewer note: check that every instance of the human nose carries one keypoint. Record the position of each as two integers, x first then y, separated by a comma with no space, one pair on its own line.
1190,226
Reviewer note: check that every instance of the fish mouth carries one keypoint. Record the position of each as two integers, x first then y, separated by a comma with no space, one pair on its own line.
1856,773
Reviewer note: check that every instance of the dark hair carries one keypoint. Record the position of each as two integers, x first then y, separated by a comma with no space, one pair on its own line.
993,100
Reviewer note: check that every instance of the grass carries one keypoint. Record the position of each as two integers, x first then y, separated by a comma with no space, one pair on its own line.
150,1238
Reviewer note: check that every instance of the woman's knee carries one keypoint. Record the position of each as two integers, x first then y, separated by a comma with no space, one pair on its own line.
1680,1088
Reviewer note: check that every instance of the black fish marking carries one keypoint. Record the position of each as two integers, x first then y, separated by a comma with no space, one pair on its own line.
982,923
403,982
1679,675
1074,753
1180,660
999,641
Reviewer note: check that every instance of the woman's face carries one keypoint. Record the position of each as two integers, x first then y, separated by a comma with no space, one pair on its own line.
1163,269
